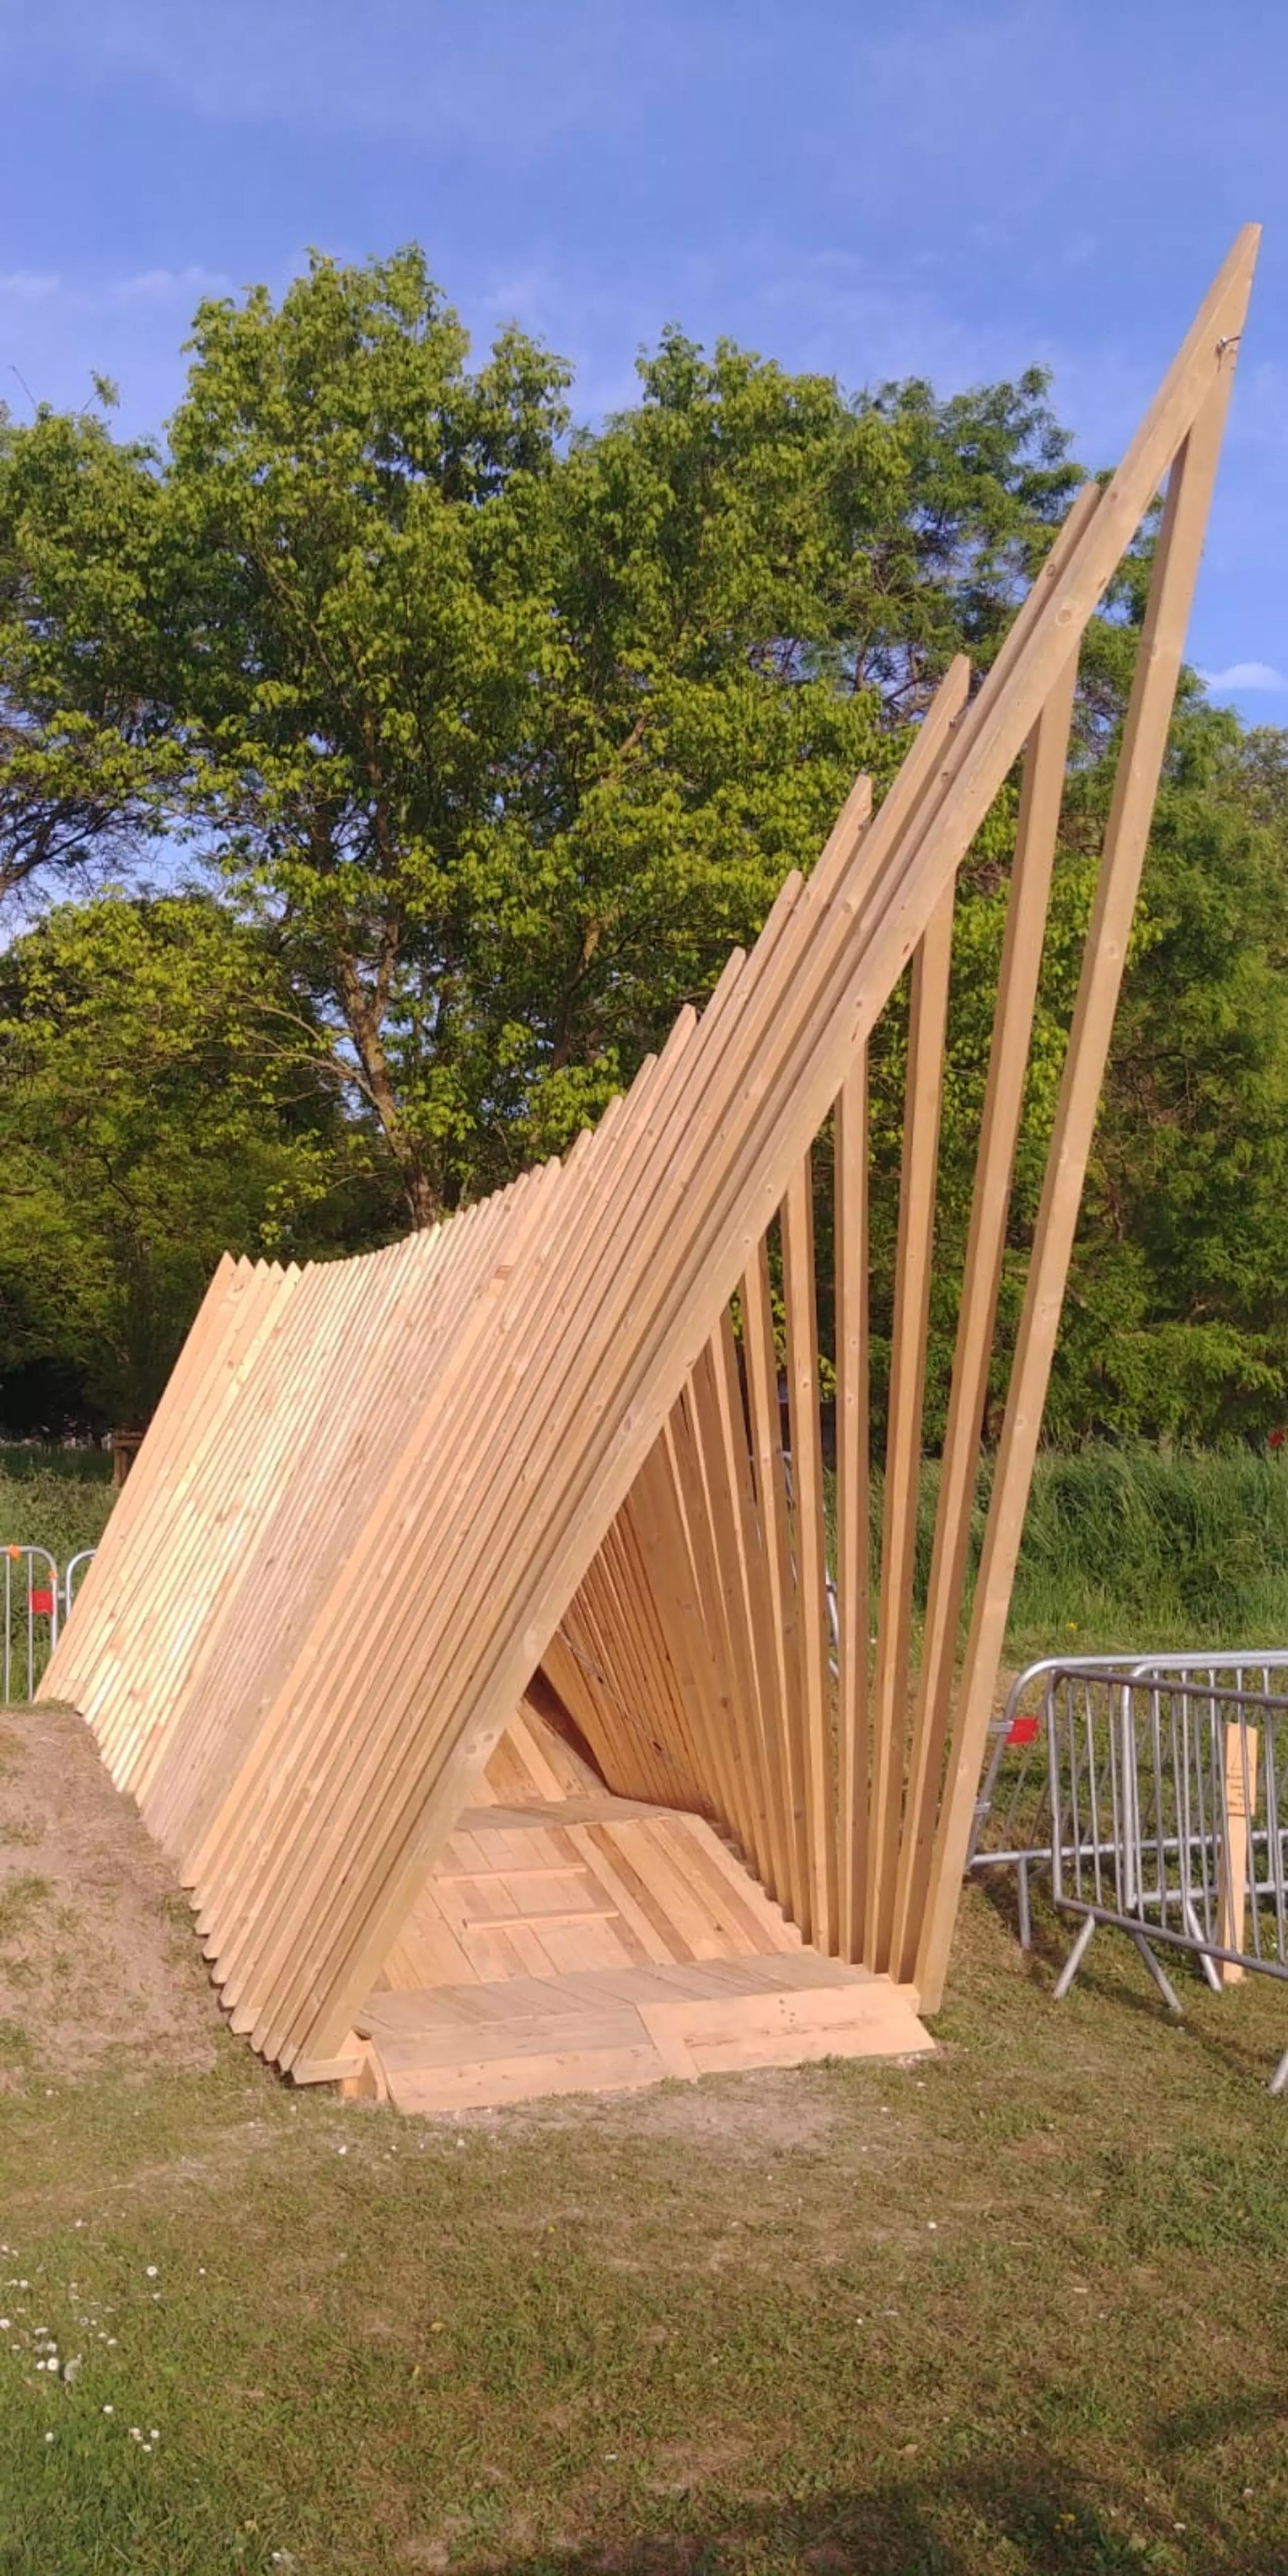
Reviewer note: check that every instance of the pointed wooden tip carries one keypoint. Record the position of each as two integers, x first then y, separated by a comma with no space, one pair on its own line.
1237,275
1241,258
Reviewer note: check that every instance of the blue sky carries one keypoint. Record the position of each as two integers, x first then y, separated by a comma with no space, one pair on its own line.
947,190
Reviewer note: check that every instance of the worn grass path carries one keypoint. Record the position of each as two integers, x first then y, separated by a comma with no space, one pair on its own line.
1022,2308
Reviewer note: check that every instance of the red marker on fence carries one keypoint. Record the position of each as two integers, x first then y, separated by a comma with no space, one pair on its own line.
1023,1730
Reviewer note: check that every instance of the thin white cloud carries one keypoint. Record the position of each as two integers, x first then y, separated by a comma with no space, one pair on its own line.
1245,676
29,285
57,327
84,294
163,285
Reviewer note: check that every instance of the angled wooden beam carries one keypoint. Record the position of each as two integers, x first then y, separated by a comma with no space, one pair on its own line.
853,1502
801,1312
796,1891
927,1031
1140,762
1035,844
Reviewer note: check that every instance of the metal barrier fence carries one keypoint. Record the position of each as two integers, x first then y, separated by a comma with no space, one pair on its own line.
30,1615
35,1599
1150,1790
72,1572
1012,1827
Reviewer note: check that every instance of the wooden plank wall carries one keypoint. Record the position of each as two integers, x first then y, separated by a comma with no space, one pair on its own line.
380,1492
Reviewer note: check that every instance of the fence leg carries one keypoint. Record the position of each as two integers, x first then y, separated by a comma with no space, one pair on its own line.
1074,1961
1026,1918
1195,1931
1163,1983
1279,2080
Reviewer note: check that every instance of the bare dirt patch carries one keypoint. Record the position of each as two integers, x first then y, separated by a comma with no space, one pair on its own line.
773,2111
97,1956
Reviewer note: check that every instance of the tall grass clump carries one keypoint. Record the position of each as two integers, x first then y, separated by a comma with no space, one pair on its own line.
1131,1547
24,1460
40,1506
1128,1547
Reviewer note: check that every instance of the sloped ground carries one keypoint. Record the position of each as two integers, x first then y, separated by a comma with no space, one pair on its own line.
97,1955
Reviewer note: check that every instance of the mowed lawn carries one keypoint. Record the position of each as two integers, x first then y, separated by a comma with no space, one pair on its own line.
1022,2307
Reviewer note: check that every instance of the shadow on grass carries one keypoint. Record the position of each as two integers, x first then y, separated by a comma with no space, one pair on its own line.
1215,2419
1032,2516
1113,1973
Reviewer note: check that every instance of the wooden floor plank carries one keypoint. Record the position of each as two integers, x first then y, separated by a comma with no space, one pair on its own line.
596,2032
494,2087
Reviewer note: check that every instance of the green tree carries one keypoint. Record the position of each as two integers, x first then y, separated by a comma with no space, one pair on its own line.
1178,1318
509,736
84,747
758,582
153,1114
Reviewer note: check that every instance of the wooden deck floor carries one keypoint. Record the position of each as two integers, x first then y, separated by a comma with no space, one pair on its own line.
571,1941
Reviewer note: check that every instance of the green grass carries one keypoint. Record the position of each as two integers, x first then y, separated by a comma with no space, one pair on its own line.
1130,1548
712,2330
26,1461
41,1506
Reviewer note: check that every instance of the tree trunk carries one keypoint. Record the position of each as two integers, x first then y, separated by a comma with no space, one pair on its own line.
363,1021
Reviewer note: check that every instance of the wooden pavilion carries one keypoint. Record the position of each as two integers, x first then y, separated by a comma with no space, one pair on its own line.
461,1633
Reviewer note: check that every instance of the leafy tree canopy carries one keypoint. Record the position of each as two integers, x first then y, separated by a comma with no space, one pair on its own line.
508,734
153,1114
486,736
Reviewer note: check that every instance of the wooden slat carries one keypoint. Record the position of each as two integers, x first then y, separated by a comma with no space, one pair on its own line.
811,1551
1140,761
1035,844
771,1495
853,1398
720,1485
757,1607
927,1025
723,1769
657,1529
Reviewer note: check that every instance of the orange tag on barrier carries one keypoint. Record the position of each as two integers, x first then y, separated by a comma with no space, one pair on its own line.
42,1604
